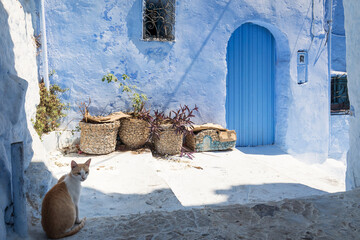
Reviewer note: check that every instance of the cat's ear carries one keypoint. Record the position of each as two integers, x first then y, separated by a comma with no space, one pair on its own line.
73,164
87,163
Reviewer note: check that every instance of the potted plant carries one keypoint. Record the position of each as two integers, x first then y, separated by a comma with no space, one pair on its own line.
98,134
134,131
169,130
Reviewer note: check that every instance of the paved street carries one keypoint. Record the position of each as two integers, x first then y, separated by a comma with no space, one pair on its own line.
239,194
332,216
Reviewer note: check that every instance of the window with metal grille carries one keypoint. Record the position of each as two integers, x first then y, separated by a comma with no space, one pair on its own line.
159,20
340,103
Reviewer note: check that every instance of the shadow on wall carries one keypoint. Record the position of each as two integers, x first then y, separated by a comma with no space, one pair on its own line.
188,69
156,51
6,47
13,129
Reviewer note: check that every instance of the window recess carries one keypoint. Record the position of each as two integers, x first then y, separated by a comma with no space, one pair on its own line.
159,20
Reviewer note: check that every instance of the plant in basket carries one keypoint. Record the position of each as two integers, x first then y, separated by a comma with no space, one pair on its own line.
98,134
134,131
168,130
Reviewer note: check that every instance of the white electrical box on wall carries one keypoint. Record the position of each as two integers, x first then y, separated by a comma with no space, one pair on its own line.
302,66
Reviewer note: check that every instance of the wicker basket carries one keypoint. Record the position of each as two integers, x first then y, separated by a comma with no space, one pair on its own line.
168,142
98,138
134,133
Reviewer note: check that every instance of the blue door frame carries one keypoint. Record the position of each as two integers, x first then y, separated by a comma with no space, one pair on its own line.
250,87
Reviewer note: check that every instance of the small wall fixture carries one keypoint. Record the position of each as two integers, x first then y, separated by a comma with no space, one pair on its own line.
302,66
352,111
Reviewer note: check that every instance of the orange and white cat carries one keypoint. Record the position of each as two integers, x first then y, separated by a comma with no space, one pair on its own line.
60,211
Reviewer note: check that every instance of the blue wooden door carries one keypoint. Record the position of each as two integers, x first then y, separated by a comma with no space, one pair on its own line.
250,85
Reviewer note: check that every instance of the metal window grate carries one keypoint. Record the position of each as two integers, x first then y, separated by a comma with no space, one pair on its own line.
159,20
339,94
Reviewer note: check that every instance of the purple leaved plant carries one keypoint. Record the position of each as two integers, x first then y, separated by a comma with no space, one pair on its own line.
179,119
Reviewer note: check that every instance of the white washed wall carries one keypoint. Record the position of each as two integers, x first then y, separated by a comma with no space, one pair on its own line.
339,137
19,91
352,23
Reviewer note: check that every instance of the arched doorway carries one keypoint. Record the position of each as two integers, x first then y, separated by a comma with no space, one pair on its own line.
250,101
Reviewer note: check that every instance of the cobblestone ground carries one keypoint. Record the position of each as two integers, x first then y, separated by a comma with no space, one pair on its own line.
332,216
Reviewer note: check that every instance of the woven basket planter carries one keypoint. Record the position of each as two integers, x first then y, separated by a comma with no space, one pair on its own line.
168,142
98,138
134,133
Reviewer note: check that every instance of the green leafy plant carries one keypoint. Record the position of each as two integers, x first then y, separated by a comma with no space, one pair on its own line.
50,109
77,129
138,99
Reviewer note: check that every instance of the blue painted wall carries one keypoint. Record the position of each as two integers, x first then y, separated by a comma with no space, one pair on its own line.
89,38
338,38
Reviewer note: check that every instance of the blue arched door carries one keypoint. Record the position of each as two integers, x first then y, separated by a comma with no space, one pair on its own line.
250,85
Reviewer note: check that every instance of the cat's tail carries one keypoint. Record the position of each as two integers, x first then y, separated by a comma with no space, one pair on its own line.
73,230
